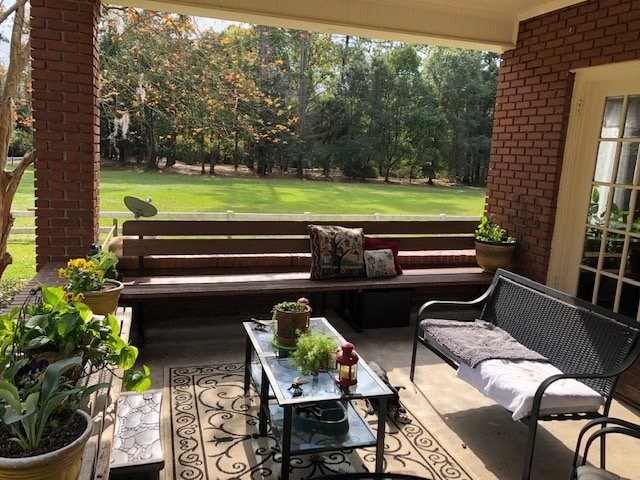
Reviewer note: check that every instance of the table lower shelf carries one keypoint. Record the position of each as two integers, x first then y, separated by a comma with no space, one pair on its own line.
359,434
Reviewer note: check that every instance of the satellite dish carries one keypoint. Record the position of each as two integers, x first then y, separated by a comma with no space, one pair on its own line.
140,208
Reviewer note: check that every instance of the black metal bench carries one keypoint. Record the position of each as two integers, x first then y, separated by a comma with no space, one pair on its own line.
584,341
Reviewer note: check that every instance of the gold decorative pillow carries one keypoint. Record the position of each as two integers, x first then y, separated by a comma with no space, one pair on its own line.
379,263
336,251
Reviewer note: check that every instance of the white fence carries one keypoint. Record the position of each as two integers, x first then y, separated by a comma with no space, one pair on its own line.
118,217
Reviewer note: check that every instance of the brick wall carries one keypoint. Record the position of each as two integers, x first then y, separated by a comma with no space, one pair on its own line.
65,72
532,112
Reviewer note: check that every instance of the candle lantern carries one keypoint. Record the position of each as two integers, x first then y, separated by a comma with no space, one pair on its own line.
347,365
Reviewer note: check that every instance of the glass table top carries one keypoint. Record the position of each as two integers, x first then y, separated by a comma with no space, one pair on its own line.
281,372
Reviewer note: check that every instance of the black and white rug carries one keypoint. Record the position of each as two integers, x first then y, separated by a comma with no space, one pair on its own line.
211,430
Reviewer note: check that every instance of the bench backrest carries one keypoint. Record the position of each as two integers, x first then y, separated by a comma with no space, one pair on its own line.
205,237
575,335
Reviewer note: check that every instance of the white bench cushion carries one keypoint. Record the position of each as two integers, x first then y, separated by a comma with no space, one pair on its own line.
513,383
587,472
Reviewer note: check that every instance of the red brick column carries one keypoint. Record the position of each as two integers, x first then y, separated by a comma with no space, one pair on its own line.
65,72
532,113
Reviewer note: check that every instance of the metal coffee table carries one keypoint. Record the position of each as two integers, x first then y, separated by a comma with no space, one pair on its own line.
272,374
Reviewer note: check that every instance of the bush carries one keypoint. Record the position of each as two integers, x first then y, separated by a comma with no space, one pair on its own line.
8,291
21,143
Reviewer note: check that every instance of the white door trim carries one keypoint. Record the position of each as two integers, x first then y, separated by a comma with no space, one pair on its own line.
591,85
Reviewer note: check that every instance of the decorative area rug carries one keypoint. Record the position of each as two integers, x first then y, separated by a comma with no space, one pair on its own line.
211,428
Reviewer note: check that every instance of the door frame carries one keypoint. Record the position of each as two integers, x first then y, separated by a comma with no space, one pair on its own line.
591,86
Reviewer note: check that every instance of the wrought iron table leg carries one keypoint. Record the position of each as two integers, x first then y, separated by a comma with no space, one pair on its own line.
264,403
286,442
382,422
247,365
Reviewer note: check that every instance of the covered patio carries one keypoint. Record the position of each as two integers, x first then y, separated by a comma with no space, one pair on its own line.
556,58
477,433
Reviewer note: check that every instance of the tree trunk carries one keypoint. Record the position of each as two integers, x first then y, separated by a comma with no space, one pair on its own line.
9,180
303,99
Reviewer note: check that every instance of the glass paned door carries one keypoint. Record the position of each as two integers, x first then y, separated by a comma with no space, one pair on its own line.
610,266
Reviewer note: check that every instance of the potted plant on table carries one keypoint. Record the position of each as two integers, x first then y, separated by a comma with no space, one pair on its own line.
46,347
494,247
93,280
315,351
292,319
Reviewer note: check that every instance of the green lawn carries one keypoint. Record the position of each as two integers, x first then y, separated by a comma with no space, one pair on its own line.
189,193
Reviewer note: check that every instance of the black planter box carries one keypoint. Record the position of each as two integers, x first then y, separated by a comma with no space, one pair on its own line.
377,308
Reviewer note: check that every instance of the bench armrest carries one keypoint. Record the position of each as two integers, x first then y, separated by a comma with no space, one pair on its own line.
432,304
630,360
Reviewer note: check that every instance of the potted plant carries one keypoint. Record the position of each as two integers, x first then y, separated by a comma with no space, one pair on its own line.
494,247
292,319
93,280
315,351
43,432
45,347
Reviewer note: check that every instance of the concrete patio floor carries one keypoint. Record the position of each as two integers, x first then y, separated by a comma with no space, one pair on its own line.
478,433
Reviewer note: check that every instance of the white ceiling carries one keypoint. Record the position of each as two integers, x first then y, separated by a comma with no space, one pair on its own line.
479,24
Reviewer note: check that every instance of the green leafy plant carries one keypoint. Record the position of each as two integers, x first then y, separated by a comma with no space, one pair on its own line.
314,352
56,326
300,305
489,231
31,401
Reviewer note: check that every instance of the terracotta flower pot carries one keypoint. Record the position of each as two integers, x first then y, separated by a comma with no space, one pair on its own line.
104,301
62,464
289,325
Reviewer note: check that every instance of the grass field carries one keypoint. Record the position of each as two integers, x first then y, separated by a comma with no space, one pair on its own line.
194,193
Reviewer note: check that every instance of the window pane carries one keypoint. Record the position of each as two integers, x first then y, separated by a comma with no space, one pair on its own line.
591,252
629,300
611,119
627,163
606,292
635,226
605,161
619,208
632,122
613,254
598,205
586,282
632,269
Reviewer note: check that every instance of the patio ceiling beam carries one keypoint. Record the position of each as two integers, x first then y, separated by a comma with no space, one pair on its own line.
414,21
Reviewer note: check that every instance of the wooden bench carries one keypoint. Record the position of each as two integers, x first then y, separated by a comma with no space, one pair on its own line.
588,344
184,258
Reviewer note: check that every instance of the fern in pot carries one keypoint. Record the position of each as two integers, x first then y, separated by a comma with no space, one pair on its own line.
315,351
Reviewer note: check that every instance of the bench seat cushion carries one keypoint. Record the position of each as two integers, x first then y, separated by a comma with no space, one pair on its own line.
513,384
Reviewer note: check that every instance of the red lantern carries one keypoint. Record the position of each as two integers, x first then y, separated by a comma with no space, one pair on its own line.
347,365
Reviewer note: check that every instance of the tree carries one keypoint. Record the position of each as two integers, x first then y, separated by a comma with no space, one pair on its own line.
9,180
464,82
